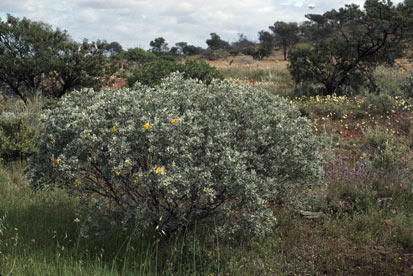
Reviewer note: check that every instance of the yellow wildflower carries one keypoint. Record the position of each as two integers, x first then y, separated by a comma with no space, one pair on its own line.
174,121
57,161
270,222
51,139
147,126
159,170
127,161
88,134
113,129
78,183
117,173
136,180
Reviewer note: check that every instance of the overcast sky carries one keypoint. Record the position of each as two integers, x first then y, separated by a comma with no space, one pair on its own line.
134,23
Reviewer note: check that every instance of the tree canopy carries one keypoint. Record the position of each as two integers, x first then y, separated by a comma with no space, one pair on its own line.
360,41
285,35
159,45
216,43
35,57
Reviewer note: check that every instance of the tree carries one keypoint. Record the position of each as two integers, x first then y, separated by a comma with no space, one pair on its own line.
181,47
113,48
192,50
316,28
216,43
285,35
78,65
159,46
242,43
35,57
407,9
138,56
362,40
266,45
26,48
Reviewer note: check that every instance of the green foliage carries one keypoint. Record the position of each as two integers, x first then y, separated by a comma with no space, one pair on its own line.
407,86
381,104
167,57
362,39
17,137
387,156
201,71
35,57
25,51
138,56
187,50
153,73
317,28
171,156
266,45
159,46
216,43
114,48
242,44
77,65
285,35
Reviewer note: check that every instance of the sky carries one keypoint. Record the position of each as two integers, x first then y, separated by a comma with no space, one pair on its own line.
134,23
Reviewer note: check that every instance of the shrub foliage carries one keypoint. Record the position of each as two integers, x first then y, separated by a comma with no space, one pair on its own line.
153,73
171,156
17,137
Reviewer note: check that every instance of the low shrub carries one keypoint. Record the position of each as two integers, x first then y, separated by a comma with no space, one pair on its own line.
17,137
152,74
387,156
407,86
381,104
180,153
200,70
138,56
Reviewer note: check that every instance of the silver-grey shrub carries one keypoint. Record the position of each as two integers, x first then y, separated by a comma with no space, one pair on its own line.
171,156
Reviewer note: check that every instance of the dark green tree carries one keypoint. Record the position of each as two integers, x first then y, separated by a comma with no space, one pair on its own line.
138,56
35,57
362,40
159,46
266,45
114,48
286,35
78,65
216,43
26,48
181,47
242,43
316,28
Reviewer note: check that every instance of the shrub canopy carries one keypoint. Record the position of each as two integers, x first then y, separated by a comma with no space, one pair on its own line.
171,156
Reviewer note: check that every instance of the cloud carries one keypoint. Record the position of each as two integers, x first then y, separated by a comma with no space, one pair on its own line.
136,22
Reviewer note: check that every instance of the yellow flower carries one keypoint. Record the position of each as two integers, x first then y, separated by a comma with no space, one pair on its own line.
57,161
159,170
174,121
78,183
51,139
270,222
113,129
127,161
117,173
88,134
136,180
147,126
